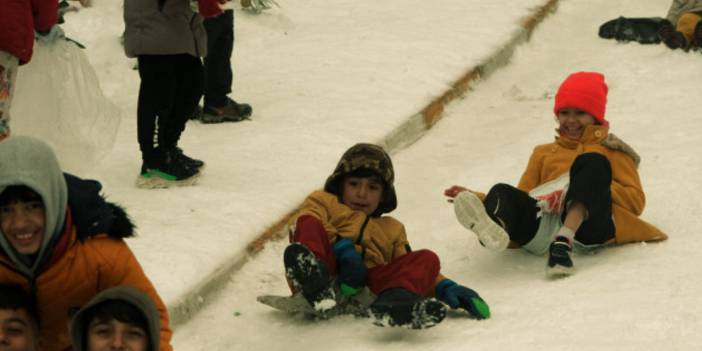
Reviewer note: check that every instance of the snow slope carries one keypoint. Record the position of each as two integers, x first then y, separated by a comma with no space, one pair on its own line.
634,297
323,76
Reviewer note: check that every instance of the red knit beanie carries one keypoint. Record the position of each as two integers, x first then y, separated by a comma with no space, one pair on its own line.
585,91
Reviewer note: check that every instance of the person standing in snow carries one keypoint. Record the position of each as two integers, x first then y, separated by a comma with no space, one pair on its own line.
167,38
341,236
117,318
217,106
61,241
683,26
581,190
19,21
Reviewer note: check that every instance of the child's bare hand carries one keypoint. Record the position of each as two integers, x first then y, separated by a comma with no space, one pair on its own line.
453,191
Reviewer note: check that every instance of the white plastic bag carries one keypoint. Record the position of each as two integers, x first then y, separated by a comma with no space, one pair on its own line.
58,99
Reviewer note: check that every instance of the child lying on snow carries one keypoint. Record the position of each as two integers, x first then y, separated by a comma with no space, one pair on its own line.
582,189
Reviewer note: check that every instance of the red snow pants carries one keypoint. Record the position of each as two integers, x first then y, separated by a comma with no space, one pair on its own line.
415,271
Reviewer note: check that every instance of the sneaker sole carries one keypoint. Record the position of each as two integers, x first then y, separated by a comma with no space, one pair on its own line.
559,271
470,212
155,182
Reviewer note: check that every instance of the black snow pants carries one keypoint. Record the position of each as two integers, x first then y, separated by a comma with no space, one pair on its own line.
590,181
171,86
218,66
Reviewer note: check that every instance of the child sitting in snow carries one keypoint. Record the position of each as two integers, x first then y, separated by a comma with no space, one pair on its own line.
341,233
583,189
119,316
683,28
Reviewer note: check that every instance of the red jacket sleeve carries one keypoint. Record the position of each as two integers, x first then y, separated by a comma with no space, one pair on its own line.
209,8
45,14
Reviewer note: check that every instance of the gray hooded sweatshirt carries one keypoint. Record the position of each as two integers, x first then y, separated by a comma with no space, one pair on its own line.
31,162
132,296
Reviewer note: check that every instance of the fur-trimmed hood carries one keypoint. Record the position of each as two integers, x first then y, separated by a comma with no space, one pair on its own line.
93,214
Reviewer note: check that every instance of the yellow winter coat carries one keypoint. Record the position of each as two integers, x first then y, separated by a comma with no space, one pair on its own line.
379,239
549,161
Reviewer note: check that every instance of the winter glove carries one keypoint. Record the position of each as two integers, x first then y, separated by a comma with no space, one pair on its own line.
457,296
50,36
352,271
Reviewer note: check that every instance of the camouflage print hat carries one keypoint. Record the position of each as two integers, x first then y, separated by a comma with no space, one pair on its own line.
370,157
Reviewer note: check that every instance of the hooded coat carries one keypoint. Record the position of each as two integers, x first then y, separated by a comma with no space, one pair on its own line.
83,251
18,21
550,161
166,27
134,297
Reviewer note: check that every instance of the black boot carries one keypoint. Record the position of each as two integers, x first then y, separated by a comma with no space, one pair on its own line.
559,261
398,307
310,276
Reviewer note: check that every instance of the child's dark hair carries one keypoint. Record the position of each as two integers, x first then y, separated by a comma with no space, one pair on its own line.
119,310
18,193
359,173
14,297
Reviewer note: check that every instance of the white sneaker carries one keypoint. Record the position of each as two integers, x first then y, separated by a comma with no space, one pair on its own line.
470,212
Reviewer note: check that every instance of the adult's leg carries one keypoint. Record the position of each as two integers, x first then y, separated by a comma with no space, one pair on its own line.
157,92
188,90
218,67
514,210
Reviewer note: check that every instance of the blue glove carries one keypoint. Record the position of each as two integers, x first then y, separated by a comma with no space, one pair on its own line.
457,296
352,271
50,36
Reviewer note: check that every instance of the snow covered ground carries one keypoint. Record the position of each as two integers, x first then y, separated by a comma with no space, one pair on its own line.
322,77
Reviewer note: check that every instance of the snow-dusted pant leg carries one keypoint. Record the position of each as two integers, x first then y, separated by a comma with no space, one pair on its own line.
416,271
686,25
514,210
310,232
590,182
8,76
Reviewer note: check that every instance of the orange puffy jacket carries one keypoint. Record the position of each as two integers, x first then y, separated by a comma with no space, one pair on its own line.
77,269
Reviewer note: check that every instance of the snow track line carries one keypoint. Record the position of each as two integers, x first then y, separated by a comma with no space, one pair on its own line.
401,137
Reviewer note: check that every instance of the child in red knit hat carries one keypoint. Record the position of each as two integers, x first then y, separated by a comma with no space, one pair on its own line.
581,190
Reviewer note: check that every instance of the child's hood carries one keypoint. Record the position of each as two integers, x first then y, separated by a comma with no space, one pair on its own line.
31,162
130,295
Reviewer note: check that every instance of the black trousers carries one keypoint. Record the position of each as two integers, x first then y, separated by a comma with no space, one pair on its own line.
171,86
218,66
590,181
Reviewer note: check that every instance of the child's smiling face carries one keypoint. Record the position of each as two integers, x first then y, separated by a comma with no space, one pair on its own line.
362,193
572,122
